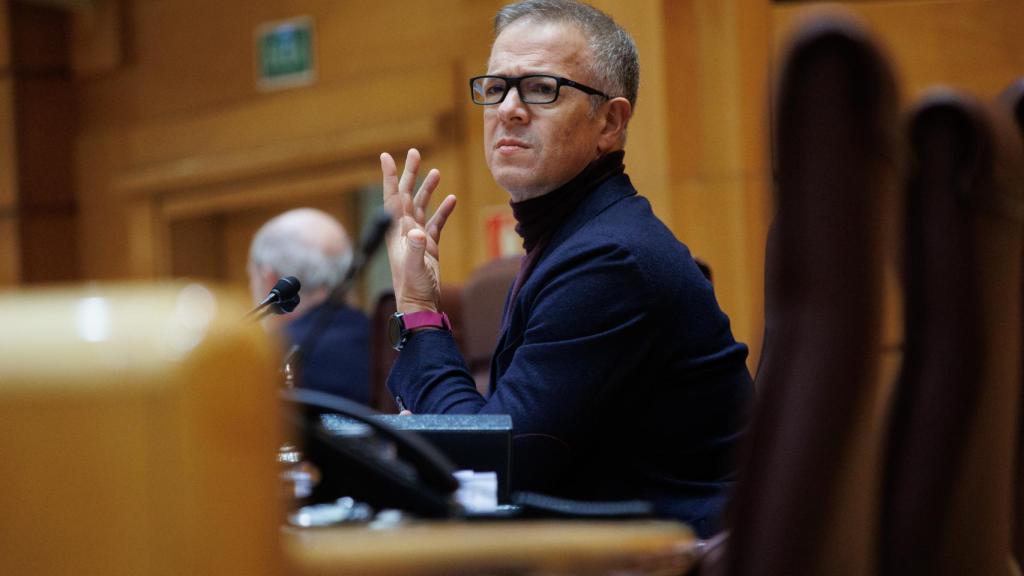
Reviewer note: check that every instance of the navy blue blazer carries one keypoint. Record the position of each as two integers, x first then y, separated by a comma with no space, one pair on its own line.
339,362
617,366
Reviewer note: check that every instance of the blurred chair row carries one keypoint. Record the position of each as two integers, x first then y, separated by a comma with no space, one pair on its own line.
866,457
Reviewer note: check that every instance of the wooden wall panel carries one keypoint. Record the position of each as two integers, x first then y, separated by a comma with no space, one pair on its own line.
398,35
98,35
44,104
975,45
8,154
199,248
45,109
190,55
717,93
148,247
647,150
295,115
48,240
182,127
5,38
10,242
10,250
103,215
186,55
10,245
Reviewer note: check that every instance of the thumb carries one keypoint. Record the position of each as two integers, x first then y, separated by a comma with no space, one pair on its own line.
417,245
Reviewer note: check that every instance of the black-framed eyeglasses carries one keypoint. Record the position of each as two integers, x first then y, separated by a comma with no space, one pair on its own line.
533,89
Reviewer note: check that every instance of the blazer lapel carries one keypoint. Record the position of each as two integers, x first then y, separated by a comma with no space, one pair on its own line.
609,192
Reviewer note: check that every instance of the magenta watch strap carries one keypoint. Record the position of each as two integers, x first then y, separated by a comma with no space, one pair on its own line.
426,319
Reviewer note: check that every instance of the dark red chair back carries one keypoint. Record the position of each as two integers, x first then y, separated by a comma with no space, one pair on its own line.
483,301
948,490
806,500
1012,102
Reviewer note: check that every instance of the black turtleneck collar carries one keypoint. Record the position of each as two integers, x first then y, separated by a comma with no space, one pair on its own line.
538,217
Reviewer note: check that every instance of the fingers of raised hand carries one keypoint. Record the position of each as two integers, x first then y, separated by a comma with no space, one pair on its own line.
390,176
437,221
424,193
408,179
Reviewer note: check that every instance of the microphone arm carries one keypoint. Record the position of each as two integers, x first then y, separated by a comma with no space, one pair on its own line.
369,243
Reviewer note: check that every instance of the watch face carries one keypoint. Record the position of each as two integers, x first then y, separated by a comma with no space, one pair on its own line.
395,328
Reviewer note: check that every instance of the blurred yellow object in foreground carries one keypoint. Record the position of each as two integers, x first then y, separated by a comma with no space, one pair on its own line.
138,429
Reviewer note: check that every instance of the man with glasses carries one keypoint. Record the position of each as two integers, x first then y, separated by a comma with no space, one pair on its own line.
615,362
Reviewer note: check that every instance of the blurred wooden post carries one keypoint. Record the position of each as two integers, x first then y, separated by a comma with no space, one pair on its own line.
45,104
10,257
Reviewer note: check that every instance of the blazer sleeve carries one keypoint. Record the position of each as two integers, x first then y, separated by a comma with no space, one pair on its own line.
584,335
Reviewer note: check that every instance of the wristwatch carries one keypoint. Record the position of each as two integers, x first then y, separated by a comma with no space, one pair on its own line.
400,325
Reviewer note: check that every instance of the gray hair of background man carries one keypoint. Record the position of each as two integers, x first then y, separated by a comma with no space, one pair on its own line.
615,66
293,244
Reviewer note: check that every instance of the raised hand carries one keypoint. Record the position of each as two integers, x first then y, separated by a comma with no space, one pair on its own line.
413,239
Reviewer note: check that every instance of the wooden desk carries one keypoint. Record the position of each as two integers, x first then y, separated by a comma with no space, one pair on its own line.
506,548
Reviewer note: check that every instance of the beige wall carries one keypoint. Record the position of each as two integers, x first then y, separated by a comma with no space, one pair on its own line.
179,157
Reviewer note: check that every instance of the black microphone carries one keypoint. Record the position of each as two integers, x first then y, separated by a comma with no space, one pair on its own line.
286,306
283,298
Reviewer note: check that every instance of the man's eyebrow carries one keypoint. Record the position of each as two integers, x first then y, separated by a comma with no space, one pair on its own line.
530,72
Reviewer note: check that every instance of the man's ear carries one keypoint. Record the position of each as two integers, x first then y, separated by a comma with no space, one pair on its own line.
270,278
616,117
261,279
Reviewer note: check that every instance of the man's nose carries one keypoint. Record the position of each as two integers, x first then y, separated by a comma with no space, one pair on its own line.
512,107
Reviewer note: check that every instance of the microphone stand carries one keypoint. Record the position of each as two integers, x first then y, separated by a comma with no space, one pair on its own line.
369,244
268,308
297,468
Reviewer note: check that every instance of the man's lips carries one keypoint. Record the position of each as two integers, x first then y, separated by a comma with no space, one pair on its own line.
510,144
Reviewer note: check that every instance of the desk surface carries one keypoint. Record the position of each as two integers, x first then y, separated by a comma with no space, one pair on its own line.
506,548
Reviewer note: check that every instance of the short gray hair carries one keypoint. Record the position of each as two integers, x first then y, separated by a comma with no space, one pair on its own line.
289,250
615,65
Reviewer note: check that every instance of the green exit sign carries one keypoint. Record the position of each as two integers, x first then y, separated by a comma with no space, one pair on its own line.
284,54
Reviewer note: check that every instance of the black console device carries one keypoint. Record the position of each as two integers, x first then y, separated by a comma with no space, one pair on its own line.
478,442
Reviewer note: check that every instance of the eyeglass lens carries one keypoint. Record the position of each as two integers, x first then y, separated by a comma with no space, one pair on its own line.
532,89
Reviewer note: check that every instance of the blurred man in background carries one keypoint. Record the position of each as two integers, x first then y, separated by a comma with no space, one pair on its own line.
312,246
